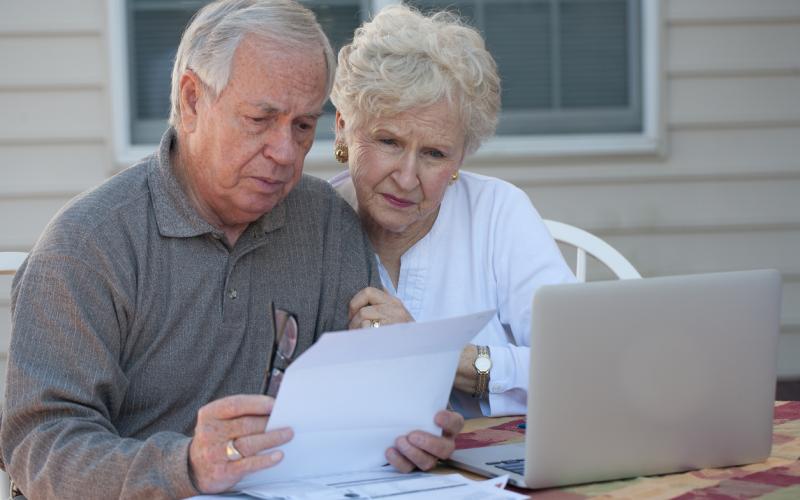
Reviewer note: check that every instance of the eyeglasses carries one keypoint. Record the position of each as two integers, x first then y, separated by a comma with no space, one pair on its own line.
285,329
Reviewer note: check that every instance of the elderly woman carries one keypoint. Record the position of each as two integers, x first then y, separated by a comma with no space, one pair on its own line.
414,96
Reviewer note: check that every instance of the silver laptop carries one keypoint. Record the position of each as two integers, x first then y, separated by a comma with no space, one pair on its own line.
640,377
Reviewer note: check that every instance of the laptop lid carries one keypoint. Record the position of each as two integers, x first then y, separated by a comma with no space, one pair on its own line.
640,377
650,376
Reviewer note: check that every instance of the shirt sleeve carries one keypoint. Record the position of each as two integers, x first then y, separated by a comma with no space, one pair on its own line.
65,385
353,264
524,257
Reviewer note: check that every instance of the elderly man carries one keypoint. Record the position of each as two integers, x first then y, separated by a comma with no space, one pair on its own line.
143,318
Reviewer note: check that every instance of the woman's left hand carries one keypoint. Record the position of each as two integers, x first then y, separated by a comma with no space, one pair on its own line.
422,450
374,307
466,376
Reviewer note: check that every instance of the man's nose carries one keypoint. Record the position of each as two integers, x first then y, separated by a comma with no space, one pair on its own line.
279,145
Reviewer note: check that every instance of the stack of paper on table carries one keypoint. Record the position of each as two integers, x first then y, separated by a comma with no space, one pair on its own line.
381,484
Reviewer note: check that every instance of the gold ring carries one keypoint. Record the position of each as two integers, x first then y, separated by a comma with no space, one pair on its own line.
375,323
231,452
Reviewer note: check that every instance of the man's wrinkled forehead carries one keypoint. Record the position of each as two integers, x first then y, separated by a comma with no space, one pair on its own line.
273,60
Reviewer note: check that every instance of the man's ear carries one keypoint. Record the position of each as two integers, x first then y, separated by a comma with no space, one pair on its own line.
191,91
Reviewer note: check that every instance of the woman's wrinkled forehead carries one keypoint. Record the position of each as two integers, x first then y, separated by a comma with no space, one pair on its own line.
437,125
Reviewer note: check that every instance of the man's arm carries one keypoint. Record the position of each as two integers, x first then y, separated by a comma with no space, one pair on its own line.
65,386
350,260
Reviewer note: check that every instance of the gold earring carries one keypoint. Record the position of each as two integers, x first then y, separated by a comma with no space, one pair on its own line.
454,177
340,152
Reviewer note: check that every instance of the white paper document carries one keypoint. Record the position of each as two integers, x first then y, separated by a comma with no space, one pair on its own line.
385,484
377,484
351,394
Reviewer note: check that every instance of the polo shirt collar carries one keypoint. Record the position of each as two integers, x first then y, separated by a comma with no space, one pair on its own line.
175,215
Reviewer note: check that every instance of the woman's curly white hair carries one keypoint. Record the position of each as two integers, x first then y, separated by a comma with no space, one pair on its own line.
402,59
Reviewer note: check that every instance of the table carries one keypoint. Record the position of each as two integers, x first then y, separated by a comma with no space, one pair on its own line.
777,478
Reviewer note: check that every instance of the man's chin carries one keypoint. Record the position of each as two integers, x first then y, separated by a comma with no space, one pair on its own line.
257,209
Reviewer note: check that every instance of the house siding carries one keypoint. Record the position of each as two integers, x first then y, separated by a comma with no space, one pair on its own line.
54,119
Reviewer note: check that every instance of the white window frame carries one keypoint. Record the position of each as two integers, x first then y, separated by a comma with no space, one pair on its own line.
650,141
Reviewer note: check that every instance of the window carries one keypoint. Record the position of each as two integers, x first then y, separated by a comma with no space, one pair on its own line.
154,29
570,68
567,66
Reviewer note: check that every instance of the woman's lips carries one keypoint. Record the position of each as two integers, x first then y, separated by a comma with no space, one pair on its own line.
397,202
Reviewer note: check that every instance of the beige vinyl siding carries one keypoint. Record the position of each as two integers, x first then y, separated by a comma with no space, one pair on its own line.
49,115
54,124
71,166
43,17
29,61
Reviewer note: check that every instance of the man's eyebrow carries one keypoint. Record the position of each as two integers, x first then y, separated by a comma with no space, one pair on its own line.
266,108
272,110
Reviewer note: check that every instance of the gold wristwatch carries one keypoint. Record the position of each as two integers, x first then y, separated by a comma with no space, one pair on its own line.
482,365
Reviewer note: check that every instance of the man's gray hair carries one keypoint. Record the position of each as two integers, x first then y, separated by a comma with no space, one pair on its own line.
402,59
209,42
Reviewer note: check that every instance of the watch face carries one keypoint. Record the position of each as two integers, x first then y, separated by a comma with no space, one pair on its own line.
483,364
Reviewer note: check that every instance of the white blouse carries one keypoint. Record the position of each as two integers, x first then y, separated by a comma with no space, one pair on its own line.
487,249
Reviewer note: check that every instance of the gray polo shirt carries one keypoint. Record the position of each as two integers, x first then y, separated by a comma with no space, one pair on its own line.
131,313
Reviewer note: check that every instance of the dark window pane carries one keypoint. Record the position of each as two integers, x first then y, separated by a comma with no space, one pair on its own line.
154,31
464,8
594,48
157,34
519,36
339,22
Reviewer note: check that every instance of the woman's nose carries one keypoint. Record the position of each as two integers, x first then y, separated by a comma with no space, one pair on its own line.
406,173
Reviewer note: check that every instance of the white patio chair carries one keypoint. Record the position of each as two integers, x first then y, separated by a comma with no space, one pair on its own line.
10,261
587,243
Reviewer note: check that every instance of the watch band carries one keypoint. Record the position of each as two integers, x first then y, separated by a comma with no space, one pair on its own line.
483,366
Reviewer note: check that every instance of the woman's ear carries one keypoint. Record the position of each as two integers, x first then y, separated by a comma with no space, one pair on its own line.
340,126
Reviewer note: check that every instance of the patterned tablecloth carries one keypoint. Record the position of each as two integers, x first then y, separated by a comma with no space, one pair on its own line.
776,478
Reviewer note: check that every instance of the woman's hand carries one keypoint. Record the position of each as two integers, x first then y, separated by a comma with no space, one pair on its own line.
373,307
422,450
466,376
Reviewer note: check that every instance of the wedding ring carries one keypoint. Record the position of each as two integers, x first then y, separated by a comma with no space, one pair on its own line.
375,323
231,453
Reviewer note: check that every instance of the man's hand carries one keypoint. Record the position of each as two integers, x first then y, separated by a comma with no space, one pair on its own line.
423,450
243,419
374,305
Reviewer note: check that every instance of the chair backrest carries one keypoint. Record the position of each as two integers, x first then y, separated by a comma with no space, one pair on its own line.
10,261
585,242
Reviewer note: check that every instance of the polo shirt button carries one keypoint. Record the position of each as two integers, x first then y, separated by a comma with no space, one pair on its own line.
232,293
